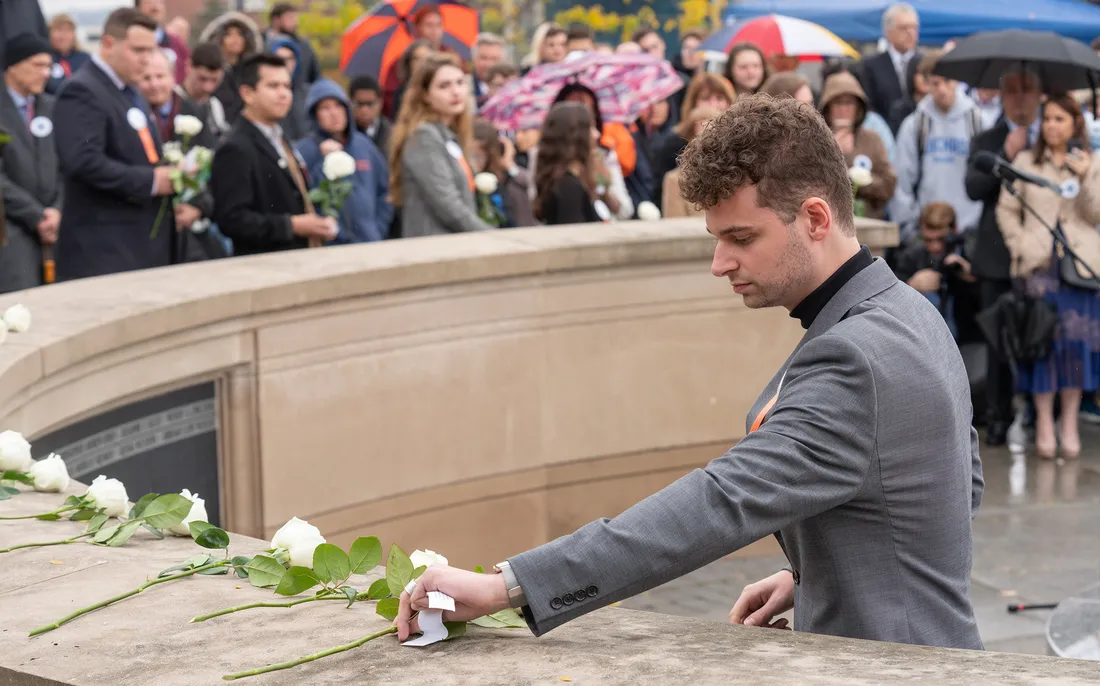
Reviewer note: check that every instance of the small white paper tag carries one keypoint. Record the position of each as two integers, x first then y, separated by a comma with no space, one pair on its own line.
1071,188
136,119
432,629
440,601
455,149
862,162
41,127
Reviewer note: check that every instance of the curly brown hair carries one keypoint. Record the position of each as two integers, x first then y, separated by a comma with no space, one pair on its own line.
781,146
566,142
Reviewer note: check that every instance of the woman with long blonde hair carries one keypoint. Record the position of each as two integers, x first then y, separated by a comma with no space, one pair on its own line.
431,178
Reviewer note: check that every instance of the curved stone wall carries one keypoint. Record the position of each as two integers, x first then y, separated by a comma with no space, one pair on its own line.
477,393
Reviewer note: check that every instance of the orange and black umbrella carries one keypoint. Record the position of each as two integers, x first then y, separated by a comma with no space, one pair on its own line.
374,43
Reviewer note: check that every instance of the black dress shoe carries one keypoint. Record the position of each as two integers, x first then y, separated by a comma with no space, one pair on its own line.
997,435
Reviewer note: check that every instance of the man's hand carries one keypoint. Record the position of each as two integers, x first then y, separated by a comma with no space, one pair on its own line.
763,600
162,176
313,226
330,146
1016,141
964,266
475,595
48,226
926,281
186,215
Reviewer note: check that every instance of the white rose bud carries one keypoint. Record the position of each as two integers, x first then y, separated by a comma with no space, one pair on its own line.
647,211
172,152
486,183
197,514
338,165
50,474
108,495
299,538
426,558
15,452
17,318
187,125
860,177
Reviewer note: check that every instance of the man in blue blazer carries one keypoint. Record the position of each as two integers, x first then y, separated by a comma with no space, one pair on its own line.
109,151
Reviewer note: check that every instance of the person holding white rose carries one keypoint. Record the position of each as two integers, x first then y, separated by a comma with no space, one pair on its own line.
494,155
367,212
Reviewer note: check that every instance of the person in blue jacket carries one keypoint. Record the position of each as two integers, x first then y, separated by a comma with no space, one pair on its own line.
367,212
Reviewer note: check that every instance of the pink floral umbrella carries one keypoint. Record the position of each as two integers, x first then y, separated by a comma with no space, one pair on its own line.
624,85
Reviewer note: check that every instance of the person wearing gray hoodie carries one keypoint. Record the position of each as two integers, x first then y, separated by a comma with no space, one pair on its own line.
932,150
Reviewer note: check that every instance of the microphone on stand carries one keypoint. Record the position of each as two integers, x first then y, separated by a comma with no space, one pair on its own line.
999,167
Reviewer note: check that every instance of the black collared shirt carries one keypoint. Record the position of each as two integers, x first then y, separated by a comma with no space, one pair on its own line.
807,310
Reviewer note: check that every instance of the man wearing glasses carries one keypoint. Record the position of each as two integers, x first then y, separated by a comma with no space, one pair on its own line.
366,100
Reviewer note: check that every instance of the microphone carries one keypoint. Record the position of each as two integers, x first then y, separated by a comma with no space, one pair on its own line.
985,161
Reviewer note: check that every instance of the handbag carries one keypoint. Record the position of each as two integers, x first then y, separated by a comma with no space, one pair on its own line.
1068,268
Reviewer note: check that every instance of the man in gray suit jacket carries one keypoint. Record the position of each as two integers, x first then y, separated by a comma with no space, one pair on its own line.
28,163
859,455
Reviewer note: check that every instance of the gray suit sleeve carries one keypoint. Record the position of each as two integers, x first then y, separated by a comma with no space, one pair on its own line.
977,478
426,159
811,454
19,203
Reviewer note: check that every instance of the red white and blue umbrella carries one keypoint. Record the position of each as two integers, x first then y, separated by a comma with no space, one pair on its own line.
776,34
624,86
373,44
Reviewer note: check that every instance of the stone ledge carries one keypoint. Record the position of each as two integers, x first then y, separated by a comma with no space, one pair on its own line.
148,639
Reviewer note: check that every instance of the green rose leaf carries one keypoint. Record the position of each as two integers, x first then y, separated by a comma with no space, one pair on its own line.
153,530
455,629
240,562
419,571
388,608
7,492
505,619
96,523
330,563
48,517
349,593
167,510
143,502
72,501
378,590
197,561
399,571
103,534
264,571
21,477
297,579
214,571
82,515
365,554
212,537
124,533
197,528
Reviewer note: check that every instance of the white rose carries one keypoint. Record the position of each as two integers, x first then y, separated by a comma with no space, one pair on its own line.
15,452
337,165
299,538
18,318
172,152
186,125
108,495
647,211
426,558
486,183
197,514
50,474
860,176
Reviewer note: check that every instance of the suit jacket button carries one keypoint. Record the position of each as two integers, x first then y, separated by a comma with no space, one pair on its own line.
567,598
591,591
580,595
555,604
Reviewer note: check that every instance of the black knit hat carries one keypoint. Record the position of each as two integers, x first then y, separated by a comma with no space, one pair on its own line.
24,46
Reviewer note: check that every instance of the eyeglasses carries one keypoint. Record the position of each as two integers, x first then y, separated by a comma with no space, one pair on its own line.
367,103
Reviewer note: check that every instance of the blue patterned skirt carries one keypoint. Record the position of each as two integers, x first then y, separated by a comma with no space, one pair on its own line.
1075,358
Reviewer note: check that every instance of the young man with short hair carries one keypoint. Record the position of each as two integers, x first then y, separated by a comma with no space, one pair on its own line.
203,79
366,101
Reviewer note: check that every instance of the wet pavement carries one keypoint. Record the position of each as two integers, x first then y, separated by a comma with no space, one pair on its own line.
1036,540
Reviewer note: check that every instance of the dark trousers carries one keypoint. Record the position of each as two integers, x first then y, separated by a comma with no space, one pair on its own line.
999,382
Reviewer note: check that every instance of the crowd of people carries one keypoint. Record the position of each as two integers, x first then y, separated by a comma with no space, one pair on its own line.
85,189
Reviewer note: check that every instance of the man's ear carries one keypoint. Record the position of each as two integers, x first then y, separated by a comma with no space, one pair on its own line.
819,217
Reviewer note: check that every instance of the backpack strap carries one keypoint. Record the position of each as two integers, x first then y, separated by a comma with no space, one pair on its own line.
924,129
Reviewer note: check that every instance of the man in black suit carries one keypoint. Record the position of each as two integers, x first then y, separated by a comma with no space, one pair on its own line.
260,188
886,77
109,152
28,163
990,262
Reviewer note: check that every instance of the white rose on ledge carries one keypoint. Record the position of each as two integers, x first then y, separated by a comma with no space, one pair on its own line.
860,177
50,474
486,183
299,538
15,452
187,125
647,211
338,165
108,495
17,318
197,514
426,558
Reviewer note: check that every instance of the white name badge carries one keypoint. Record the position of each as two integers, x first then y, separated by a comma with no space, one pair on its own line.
1071,188
136,119
455,149
41,127
57,71
862,162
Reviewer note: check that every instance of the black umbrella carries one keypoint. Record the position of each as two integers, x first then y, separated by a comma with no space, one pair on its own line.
1062,64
